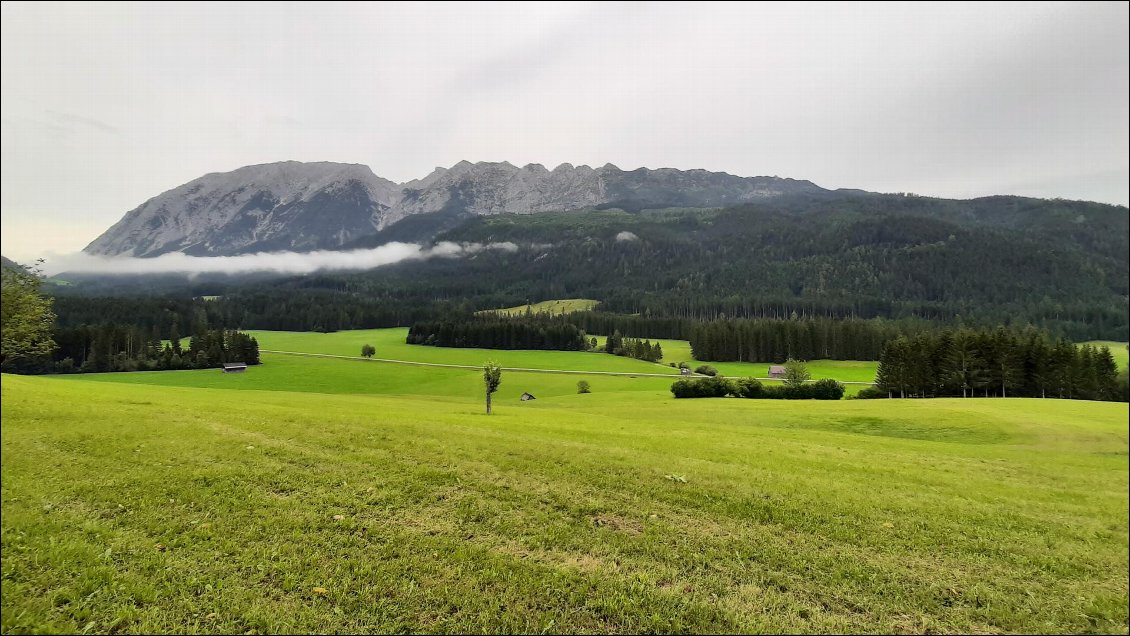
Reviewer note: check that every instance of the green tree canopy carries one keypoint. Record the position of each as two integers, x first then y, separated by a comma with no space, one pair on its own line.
796,373
26,318
492,377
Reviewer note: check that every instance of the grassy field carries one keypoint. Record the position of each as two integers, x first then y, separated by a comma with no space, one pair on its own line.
843,370
552,307
389,344
325,375
137,508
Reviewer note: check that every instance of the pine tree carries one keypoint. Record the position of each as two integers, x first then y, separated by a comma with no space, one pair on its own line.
963,368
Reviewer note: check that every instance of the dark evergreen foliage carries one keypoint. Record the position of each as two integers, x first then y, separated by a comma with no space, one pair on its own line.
751,388
770,340
491,332
111,347
633,348
999,362
1057,265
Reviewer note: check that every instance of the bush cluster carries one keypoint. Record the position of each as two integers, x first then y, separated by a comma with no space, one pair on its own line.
751,388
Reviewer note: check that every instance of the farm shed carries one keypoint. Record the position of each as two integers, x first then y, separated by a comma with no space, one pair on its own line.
526,397
234,367
776,371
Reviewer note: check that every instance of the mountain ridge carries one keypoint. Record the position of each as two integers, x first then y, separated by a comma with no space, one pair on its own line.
325,205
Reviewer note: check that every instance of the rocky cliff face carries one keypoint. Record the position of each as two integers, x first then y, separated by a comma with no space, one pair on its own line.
278,206
307,206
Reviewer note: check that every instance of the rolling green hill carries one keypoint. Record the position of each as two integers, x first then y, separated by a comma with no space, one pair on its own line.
141,509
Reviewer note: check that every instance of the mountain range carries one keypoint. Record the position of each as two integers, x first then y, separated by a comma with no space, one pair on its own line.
311,206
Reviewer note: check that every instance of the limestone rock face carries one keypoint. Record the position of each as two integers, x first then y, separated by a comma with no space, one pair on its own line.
307,206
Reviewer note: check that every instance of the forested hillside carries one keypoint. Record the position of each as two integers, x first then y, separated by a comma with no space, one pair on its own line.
1059,265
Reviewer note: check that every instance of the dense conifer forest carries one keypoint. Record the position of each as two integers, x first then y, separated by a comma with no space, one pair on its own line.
500,333
998,362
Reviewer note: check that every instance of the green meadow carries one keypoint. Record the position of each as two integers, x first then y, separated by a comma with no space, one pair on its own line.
302,374
202,502
843,370
320,494
390,344
552,307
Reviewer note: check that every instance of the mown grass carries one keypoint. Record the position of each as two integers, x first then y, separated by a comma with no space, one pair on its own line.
137,509
551,307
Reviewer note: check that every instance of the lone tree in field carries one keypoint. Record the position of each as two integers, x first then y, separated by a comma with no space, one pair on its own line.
796,373
368,351
583,387
492,377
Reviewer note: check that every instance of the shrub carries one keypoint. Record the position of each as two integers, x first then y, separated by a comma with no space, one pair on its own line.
706,369
583,387
748,388
701,388
819,390
872,393
826,389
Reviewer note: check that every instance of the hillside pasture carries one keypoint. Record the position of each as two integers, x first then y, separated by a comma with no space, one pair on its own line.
551,307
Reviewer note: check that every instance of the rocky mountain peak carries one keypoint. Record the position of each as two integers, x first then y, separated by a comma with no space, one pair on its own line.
294,205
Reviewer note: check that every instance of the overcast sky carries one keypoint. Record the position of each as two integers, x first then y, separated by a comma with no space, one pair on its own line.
107,105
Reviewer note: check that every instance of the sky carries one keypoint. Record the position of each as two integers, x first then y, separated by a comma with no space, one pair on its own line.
107,105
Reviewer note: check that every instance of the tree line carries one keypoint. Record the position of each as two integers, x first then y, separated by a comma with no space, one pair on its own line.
491,332
110,347
632,348
769,340
998,362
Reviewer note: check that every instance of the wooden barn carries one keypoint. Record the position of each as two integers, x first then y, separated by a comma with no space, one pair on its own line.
235,367
526,397
776,371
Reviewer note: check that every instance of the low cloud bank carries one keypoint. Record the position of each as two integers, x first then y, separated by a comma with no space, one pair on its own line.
277,262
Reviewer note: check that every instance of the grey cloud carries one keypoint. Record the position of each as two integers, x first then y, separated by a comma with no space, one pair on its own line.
72,119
